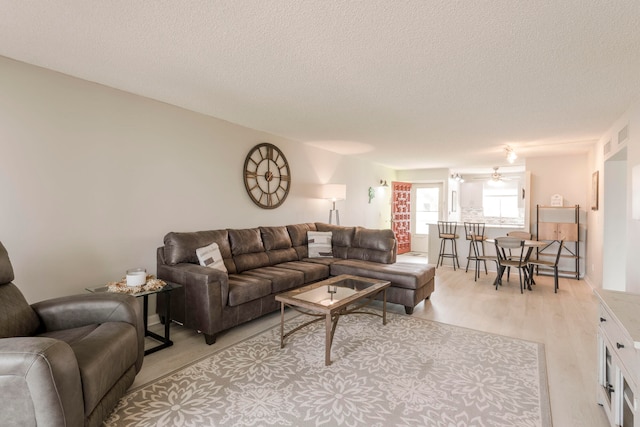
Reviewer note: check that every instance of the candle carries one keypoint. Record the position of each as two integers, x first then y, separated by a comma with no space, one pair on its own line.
136,277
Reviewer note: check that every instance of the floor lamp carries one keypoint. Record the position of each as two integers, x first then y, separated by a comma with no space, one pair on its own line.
334,192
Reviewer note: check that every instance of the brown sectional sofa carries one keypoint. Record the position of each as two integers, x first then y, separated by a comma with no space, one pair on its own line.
262,262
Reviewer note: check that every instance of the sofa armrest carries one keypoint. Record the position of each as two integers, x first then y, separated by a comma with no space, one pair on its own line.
40,383
206,291
86,309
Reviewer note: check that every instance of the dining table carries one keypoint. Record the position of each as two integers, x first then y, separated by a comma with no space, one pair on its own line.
530,245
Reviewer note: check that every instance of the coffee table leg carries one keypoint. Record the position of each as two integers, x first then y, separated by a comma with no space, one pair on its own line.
384,306
281,325
328,340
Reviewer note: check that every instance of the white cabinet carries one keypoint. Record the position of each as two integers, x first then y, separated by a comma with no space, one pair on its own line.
471,194
619,357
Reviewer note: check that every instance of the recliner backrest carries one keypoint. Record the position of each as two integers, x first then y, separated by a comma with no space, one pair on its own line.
17,318
6,270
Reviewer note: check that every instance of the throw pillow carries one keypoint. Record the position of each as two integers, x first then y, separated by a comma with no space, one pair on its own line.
319,244
210,256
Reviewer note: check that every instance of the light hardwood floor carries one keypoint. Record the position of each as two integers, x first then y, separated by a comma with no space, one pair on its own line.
565,323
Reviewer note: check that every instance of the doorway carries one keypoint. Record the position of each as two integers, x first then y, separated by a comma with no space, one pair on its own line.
401,215
614,250
426,208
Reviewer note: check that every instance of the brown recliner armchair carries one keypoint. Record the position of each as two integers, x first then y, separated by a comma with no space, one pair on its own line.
65,361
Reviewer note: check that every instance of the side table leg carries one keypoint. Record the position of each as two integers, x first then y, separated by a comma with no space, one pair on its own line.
145,314
167,321
166,340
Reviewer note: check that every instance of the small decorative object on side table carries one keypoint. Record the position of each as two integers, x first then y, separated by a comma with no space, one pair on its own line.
152,286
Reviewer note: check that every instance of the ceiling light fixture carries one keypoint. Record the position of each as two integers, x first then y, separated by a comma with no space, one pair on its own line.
457,177
511,155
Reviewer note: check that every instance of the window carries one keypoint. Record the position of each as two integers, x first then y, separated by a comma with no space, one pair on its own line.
500,200
427,208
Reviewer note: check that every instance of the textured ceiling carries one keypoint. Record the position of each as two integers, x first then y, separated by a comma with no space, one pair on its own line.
407,84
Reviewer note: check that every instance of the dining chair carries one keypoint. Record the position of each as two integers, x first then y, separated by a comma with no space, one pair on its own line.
474,233
516,247
447,233
521,235
547,263
478,257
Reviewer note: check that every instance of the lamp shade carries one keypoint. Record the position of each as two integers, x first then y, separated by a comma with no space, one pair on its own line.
333,192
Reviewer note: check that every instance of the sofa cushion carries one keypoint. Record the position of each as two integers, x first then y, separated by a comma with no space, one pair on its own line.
312,271
244,288
319,243
245,241
400,274
322,261
181,247
341,239
373,245
282,255
250,261
282,279
275,238
298,234
247,249
210,256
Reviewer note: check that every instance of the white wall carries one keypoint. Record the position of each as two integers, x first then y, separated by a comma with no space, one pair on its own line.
633,225
564,175
568,176
616,177
92,178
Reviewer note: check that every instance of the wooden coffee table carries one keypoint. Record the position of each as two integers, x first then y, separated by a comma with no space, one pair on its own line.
330,299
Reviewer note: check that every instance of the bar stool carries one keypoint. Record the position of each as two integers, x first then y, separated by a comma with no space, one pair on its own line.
447,232
474,232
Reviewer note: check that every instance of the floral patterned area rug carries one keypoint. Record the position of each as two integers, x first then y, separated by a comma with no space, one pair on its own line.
410,372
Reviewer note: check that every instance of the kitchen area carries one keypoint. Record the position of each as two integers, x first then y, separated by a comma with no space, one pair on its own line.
499,200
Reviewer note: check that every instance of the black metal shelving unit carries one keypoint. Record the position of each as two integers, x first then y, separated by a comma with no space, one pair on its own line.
553,232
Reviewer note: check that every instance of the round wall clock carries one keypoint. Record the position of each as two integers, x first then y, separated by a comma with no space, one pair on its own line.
266,175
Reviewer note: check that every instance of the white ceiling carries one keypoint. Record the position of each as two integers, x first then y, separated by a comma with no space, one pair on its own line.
407,84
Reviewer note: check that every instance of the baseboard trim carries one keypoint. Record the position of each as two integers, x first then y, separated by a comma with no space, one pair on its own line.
154,319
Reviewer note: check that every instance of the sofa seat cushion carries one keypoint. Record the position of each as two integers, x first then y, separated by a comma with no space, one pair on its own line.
104,353
282,279
323,261
400,274
244,288
312,271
